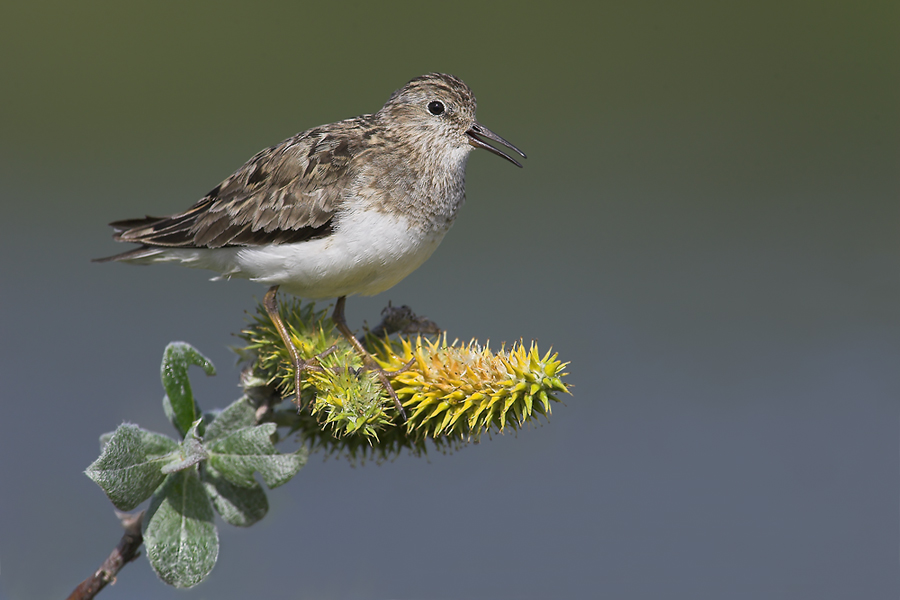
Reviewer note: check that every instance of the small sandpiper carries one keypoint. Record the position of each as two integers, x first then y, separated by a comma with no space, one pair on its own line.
347,208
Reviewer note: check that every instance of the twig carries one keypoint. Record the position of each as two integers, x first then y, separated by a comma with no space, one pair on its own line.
124,553
402,319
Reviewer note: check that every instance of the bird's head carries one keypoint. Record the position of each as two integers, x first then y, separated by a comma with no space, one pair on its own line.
439,111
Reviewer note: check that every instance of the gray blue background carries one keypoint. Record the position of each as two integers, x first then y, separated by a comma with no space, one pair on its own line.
706,227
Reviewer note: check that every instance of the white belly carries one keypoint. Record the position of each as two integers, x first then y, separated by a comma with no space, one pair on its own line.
368,252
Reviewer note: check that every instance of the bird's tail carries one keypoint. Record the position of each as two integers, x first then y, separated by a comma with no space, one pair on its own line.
139,256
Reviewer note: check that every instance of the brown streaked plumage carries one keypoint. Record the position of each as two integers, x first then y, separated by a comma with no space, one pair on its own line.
287,193
350,207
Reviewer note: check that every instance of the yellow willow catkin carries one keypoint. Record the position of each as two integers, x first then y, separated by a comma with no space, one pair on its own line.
451,392
465,390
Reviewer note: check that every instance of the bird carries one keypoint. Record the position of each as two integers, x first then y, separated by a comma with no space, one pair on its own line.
347,208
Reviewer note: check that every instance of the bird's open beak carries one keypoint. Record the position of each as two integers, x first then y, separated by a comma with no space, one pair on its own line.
477,129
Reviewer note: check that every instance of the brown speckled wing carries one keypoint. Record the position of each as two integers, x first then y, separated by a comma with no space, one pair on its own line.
287,193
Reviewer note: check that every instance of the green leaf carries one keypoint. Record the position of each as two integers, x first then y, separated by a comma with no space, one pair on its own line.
240,453
177,357
237,415
129,468
179,534
205,419
189,453
239,506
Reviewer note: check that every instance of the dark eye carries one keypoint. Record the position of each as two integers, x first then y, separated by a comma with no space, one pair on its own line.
436,107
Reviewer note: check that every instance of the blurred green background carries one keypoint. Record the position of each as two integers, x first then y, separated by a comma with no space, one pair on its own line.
706,227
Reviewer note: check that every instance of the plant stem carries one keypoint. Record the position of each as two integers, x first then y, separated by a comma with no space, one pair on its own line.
124,553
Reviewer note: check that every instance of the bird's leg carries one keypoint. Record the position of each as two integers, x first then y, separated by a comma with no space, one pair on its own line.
369,362
300,365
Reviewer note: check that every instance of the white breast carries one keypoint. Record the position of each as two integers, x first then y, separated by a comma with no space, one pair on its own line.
368,252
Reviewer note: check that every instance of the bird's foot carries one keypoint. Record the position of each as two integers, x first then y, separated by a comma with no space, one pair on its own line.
369,362
300,364
309,364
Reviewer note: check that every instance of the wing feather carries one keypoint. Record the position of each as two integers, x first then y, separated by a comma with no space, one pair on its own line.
287,193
